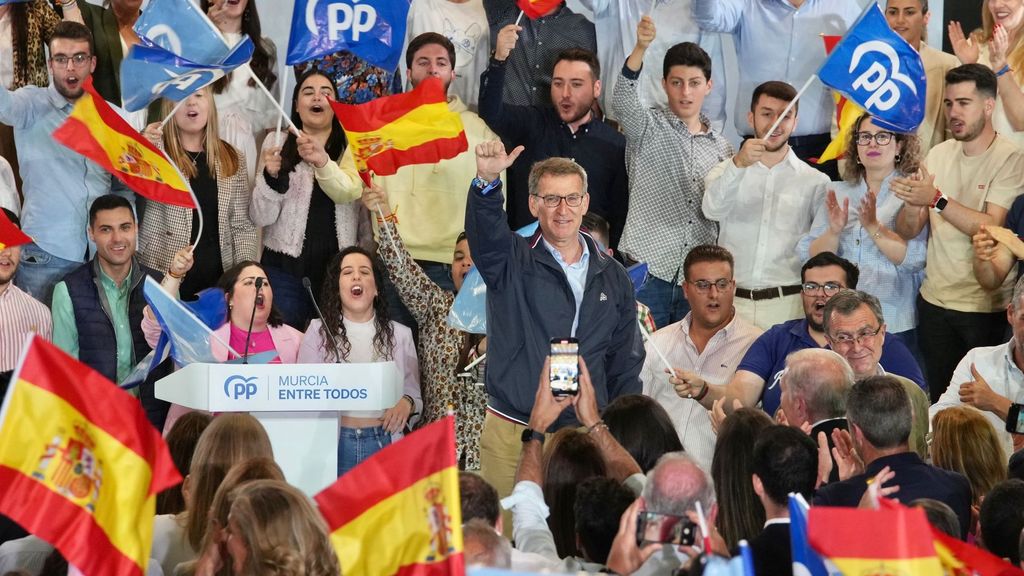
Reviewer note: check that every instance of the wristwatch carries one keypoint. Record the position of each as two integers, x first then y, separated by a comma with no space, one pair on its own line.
940,202
530,434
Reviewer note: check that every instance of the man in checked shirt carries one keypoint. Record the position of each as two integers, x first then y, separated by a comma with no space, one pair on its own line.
668,153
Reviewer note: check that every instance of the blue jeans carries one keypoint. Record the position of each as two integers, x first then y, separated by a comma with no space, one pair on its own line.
666,301
290,297
39,271
358,444
441,274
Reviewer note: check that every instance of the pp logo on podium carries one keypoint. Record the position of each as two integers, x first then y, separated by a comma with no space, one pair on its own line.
238,387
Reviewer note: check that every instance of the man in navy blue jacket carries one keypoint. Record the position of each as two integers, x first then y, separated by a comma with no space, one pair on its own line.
557,284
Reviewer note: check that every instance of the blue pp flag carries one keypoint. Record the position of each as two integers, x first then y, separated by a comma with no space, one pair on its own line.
469,311
805,560
180,52
877,69
190,339
374,30
150,72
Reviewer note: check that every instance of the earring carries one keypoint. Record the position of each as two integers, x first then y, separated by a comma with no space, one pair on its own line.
898,158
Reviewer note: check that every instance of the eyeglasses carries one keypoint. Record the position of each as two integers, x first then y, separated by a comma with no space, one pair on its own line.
76,60
703,286
553,200
830,288
859,338
880,138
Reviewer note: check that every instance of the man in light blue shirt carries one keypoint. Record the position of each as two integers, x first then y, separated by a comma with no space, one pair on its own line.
59,184
781,40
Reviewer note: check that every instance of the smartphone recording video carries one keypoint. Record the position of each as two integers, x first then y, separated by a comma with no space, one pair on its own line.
565,367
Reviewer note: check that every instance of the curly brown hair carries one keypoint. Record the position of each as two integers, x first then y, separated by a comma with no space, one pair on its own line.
908,157
330,297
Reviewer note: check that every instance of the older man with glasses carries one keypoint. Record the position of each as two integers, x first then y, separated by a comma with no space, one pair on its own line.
855,329
557,284
758,374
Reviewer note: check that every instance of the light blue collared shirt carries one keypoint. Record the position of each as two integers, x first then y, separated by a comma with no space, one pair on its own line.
576,274
895,285
775,41
59,184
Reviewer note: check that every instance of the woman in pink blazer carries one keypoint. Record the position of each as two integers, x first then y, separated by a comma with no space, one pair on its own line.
269,332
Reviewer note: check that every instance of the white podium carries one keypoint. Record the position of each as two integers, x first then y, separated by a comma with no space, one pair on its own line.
298,405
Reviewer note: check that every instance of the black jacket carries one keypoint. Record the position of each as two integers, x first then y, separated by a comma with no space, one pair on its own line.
529,301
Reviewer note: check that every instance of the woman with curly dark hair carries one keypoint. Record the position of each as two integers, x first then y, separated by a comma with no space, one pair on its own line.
857,220
356,318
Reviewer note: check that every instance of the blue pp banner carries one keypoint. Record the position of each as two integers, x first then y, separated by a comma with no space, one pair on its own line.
805,560
374,30
150,72
876,68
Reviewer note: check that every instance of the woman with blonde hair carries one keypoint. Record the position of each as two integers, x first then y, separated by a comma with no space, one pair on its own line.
964,441
998,44
216,172
231,438
275,529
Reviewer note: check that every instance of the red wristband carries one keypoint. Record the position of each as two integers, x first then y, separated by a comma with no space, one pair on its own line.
938,194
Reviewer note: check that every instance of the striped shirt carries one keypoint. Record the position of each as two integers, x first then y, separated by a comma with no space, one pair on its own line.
19,315
715,365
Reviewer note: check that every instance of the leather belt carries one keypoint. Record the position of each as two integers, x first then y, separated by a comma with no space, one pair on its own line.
767,293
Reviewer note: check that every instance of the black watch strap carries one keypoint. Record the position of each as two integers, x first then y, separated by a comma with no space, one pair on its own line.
531,434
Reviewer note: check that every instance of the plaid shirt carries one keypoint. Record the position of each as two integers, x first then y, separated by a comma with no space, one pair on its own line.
666,166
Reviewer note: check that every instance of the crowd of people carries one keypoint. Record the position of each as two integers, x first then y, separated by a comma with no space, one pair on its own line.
805,327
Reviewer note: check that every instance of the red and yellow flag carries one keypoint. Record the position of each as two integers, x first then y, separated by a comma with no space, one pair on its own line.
961,559
846,114
11,235
890,540
398,512
95,131
411,128
80,465
536,8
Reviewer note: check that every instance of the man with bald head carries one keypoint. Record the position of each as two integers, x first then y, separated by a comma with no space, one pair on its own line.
814,390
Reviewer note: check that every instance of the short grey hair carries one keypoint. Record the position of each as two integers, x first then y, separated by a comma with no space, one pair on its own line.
675,483
495,550
1018,292
823,378
846,302
555,166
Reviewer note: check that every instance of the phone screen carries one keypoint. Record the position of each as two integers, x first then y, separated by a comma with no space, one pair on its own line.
565,367
664,528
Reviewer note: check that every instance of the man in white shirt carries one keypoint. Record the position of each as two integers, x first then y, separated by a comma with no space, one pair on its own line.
991,378
708,343
764,200
781,40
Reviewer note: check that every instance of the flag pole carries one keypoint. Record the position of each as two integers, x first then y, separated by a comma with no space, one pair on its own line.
790,106
280,80
173,112
668,366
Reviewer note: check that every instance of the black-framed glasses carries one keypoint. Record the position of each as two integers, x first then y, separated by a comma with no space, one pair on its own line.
76,59
553,200
830,288
703,286
880,138
842,339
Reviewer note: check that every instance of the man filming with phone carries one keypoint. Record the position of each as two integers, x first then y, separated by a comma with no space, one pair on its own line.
557,284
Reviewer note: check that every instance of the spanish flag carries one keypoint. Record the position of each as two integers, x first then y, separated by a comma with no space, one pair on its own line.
398,512
11,235
960,558
80,465
536,8
890,540
411,128
846,114
95,131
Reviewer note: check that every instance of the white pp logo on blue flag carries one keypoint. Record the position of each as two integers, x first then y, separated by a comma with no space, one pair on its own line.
878,70
374,30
